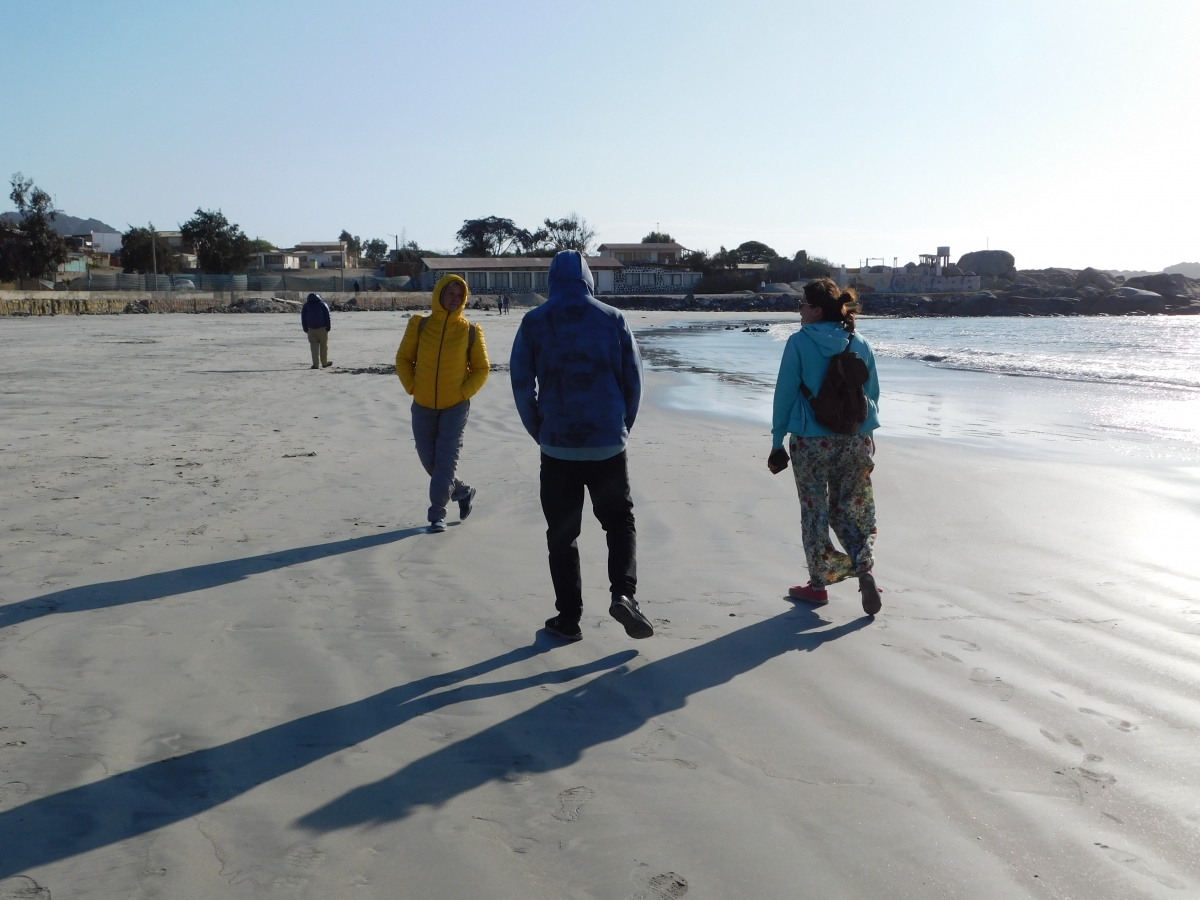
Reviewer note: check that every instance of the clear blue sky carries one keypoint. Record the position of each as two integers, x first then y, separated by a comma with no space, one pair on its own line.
1065,132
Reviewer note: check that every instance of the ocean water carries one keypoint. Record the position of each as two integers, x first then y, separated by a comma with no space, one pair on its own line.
1048,387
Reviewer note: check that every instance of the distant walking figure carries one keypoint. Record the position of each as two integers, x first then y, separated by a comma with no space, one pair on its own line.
577,382
506,309
442,362
831,440
314,318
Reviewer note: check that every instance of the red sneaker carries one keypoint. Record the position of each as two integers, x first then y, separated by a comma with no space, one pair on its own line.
809,594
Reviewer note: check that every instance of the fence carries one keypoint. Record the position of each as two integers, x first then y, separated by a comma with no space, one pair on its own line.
226,283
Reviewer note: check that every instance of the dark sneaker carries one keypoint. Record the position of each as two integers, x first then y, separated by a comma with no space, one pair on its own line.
326,365
870,594
314,367
625,610
563,629
464,505
437,527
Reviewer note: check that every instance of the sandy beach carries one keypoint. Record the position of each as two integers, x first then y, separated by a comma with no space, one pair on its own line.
233,665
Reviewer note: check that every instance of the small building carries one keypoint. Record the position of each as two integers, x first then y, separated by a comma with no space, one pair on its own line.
650,268
511,274
324,255
276,261
668,254
94,242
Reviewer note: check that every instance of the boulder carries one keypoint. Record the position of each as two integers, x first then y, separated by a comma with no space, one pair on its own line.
1125,300
1167,285
1090,277
999,263
981,304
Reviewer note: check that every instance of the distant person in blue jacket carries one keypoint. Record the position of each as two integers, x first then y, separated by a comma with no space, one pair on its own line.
832,471
314,318
577,382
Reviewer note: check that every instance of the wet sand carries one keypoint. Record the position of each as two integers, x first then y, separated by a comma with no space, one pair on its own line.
231,663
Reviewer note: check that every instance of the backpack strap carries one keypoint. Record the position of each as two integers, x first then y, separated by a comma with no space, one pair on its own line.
421,322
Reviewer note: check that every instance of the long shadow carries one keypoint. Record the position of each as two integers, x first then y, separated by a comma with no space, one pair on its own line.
184,581
159,794
556,732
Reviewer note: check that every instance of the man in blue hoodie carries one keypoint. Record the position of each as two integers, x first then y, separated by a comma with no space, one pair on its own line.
577,382
314,319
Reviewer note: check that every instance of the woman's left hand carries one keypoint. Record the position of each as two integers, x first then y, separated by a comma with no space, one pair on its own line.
777,461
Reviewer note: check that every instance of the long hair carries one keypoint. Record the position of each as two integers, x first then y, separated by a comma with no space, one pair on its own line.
836,304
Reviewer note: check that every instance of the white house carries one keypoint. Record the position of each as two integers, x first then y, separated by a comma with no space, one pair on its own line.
650,268
277,261
324,255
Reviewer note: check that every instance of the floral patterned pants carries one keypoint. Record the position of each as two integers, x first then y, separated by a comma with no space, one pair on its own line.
833,479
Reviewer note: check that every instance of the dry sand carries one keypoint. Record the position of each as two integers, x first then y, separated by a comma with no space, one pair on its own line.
231,665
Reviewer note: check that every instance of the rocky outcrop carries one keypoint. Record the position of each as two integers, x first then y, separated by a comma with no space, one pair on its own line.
997,263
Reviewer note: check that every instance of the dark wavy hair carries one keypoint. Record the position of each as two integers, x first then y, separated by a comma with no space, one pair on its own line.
836,304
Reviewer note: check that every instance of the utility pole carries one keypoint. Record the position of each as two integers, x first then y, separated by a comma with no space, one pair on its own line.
154,253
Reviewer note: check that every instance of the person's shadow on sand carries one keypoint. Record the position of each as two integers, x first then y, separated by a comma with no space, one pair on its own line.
184,581
553,734
556,732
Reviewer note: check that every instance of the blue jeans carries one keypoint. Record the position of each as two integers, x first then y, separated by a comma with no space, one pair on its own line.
439,437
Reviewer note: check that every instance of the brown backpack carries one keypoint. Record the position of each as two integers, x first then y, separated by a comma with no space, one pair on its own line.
841,404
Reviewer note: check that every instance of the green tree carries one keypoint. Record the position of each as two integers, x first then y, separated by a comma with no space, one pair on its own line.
489,236
353,242
258,245
142,251
755,252
658,237
376,250
569,233
221,247
30,248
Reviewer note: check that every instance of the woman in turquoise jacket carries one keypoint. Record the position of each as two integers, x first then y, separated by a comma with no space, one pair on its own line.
833,471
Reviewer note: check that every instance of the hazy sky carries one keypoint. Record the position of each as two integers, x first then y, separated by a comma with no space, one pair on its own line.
1064,132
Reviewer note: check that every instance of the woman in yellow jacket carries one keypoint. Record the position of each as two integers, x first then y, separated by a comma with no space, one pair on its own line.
442,362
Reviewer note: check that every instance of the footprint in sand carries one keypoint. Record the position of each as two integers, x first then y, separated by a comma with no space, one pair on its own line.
1125,858
1048,736
305,857
22,888
666,886
11,793
966,645
951,657
571,801
654,742
1119,724
1003,688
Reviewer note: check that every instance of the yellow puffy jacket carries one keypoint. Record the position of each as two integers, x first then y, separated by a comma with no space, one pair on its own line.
432,360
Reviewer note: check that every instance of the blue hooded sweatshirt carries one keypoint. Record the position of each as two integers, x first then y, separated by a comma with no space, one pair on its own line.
315,314
807,353
575,368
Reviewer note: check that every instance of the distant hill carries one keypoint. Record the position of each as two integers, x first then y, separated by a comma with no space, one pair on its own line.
65,224
1191,270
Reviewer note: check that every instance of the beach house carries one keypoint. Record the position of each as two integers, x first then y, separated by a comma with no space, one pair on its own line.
650,268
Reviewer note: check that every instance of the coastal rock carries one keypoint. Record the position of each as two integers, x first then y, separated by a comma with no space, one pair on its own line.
981,304
1166,285
998,263
1125,300
1095,278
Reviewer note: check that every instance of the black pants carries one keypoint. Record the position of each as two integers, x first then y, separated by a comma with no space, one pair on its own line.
607,480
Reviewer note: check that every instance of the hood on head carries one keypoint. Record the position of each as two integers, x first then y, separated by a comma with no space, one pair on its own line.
315,298
437,294
830,337
570,275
